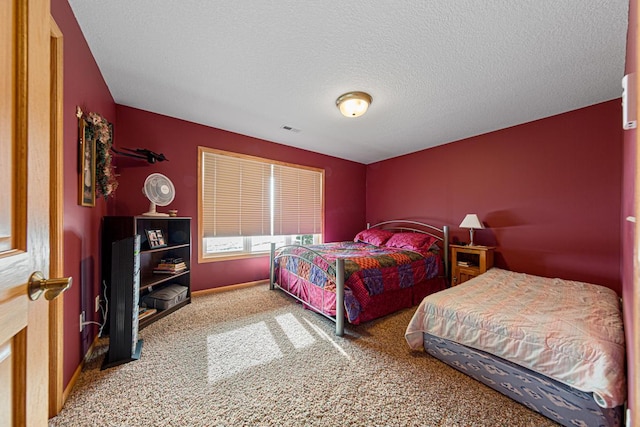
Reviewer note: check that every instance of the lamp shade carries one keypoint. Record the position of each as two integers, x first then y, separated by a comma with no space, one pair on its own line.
353,104
471,221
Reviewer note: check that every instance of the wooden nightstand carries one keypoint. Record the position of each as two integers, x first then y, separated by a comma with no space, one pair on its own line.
469,261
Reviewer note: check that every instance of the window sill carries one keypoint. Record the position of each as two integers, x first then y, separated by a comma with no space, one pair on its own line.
230,257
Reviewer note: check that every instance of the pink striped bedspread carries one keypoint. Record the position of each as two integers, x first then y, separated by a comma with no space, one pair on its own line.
567,330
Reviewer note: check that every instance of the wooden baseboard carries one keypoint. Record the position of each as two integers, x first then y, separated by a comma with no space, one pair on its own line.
76,374
229,288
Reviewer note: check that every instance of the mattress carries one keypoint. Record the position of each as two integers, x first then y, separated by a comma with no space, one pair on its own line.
569,331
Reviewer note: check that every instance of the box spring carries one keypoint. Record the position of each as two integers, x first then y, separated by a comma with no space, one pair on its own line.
559,402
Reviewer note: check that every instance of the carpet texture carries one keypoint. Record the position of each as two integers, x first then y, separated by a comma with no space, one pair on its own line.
255,357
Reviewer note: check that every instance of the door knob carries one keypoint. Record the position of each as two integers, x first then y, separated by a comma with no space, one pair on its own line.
51,288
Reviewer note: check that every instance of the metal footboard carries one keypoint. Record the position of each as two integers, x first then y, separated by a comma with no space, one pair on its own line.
338,280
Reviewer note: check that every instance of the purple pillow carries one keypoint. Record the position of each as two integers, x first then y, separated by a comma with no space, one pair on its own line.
411,241
373,236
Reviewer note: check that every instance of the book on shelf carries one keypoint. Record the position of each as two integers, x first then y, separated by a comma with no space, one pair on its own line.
169,271
170,266
145,312
464,264
171,261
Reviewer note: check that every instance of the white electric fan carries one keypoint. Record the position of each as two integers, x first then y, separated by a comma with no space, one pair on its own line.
160,191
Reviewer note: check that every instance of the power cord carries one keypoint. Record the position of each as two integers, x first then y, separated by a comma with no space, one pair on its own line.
103,312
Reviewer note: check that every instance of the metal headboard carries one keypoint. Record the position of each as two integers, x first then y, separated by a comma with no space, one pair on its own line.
410,225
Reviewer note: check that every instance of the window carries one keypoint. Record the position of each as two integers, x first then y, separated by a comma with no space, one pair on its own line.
246,202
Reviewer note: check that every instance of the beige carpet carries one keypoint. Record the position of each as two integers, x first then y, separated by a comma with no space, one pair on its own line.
254,357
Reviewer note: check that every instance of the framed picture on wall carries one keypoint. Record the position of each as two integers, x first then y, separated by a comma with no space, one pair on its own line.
155,238
86,165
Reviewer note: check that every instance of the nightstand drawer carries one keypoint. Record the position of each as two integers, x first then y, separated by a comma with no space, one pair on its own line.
463,274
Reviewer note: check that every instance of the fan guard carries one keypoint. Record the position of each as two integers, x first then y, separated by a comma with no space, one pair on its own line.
160,191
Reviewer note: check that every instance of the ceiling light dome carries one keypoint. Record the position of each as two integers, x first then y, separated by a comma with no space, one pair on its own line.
353,104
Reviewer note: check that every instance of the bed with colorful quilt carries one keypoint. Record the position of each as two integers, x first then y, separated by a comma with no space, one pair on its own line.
387,267
557,346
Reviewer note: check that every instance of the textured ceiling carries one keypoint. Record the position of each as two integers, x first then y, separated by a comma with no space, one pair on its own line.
438,70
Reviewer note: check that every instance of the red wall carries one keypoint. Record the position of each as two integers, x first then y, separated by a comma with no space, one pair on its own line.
84,87
178,140
628,228
549,192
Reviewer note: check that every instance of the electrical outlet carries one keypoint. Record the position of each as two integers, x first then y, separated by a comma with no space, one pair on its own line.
97,303
81,322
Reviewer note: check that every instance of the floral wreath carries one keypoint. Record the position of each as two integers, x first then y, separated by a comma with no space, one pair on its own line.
98,129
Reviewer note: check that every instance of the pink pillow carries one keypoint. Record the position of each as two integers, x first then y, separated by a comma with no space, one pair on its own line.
411,241
373,236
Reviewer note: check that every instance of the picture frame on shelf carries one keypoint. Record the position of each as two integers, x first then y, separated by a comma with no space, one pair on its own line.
155,238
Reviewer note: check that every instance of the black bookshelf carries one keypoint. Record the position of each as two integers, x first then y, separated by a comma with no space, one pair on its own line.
176,243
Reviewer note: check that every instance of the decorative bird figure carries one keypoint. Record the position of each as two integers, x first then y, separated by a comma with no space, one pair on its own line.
142,154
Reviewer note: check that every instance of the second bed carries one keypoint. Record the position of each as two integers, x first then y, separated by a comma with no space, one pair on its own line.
557,346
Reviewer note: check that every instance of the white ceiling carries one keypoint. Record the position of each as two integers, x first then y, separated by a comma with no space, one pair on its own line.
438,70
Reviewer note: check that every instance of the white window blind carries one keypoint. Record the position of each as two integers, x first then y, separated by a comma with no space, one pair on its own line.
235,196
247,196
298,201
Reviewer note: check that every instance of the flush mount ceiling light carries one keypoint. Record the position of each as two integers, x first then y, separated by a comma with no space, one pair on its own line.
353,104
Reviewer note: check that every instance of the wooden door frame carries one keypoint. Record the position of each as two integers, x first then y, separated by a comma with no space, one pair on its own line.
56,218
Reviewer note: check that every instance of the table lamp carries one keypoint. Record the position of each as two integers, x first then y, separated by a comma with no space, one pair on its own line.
471,221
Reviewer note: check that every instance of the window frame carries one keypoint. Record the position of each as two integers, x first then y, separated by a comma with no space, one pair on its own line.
203,256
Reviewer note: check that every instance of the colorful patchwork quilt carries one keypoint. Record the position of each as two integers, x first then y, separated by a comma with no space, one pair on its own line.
369,270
